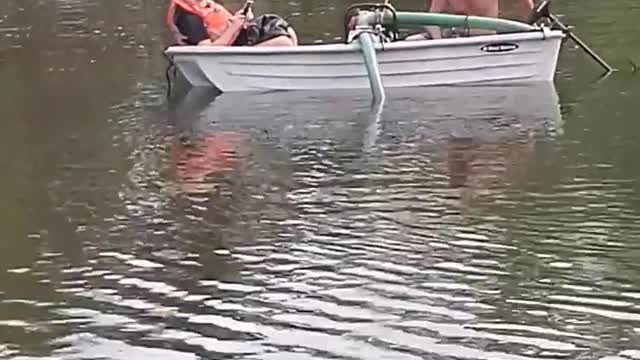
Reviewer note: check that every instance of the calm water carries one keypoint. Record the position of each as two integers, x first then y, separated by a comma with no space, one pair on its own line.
479,223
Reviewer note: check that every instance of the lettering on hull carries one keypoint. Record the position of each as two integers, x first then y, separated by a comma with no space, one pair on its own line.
499,47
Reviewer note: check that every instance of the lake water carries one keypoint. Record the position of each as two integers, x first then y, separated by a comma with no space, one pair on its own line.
470,223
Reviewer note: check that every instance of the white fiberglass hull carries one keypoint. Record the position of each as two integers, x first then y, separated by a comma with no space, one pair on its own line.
505,58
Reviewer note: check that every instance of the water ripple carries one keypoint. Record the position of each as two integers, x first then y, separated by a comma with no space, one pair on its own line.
271,227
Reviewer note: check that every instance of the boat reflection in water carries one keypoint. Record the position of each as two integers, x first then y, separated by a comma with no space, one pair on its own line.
480,137
196,159
314,208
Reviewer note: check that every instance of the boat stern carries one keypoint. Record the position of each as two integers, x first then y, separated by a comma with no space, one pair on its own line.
191,66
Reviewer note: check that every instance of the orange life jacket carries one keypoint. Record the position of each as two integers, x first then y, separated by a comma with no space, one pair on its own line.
214,16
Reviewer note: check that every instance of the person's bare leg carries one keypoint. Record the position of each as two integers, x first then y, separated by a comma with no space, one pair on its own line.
431,32
293,36
291,40
525,9
278,41
421,36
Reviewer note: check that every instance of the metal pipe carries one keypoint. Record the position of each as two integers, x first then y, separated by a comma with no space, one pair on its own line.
417,19
374,128
371,62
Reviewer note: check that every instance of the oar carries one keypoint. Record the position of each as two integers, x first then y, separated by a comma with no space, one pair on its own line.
542,10
581,44
634,66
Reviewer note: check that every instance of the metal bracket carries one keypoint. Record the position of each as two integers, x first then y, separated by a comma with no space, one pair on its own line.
546,32
380,11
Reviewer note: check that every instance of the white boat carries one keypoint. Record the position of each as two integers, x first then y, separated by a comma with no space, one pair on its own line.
520,57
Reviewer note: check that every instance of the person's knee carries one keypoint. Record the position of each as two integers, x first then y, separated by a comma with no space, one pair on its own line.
293,36
421,36
278,41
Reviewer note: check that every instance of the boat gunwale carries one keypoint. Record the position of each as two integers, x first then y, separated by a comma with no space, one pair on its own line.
535,35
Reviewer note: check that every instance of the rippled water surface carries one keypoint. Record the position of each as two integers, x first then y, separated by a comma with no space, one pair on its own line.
453,223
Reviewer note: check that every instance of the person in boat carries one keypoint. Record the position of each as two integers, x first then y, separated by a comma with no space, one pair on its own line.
206,22
486,8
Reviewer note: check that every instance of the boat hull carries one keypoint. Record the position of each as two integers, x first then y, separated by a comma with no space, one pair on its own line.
504,58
